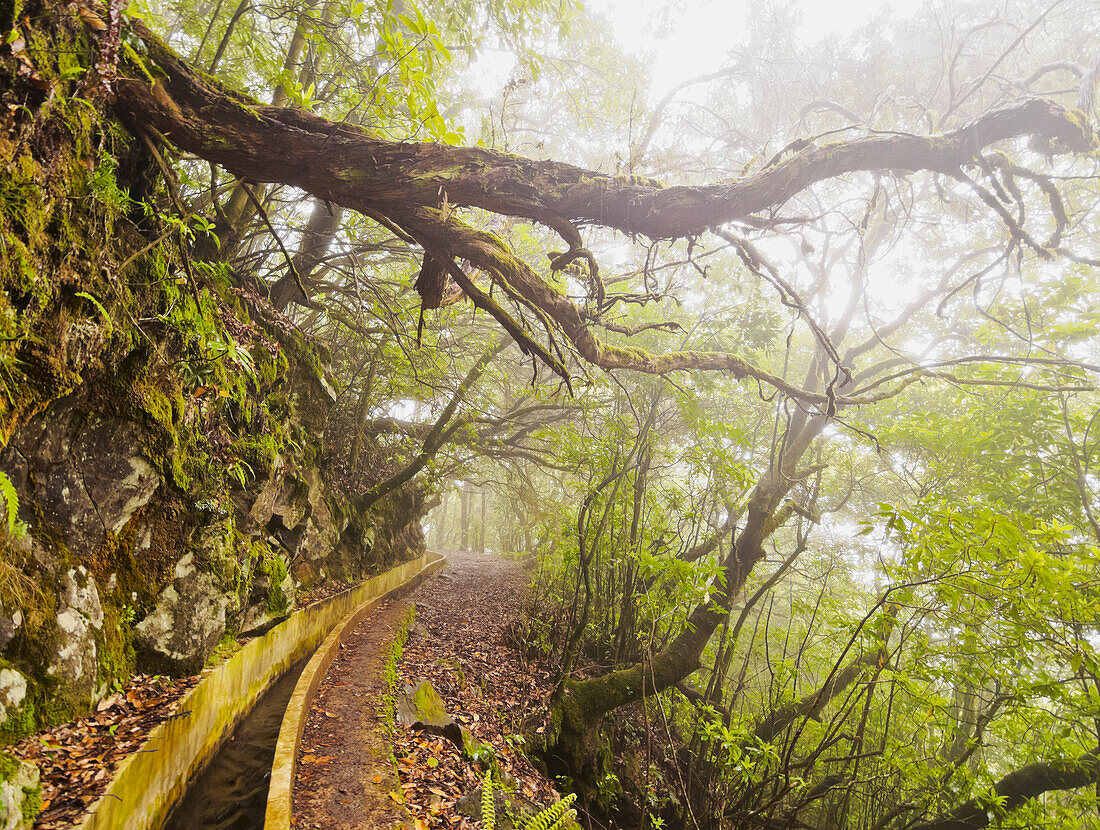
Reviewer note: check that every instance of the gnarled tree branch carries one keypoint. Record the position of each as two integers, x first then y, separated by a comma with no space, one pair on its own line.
413,187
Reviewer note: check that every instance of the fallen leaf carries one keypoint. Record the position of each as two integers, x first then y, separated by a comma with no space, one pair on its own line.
93,20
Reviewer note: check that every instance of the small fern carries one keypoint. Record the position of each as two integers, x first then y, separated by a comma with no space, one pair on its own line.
102,311
16,529
553,817
488,808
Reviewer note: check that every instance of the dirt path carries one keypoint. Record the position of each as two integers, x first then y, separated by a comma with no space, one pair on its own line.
344,768
462,642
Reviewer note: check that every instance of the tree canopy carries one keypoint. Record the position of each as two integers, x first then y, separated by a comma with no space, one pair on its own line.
809,448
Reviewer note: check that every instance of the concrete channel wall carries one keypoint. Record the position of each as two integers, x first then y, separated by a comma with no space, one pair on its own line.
152,780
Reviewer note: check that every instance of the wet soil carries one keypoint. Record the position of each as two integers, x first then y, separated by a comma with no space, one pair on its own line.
346,777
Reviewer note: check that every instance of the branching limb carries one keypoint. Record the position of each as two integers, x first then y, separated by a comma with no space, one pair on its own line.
439,433
630,331
1019,787
291,267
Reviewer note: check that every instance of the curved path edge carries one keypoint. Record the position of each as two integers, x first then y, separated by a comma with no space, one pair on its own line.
153,779
284,768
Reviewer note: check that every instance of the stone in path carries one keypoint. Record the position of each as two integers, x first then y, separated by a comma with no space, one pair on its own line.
419,706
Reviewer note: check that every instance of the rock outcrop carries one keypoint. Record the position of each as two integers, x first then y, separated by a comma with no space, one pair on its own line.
187,623
163,435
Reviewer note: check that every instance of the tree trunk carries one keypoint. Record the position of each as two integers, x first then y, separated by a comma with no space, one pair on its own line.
360,171
439,536
324,222
464,538
624,633
481,533
239,210
579,707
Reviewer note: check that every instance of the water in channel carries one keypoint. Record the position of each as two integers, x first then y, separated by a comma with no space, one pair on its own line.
231,793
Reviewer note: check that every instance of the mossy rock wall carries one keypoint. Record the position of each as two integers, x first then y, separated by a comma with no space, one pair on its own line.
160,427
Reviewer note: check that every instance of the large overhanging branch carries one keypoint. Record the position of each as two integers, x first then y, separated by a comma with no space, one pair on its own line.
412,189
348,166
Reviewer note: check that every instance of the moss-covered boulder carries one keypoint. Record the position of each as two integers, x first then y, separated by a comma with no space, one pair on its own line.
419,706
187,623
273,590
20,793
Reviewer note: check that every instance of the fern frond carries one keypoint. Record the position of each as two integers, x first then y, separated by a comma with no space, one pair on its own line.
11,505
99,307
553,817
488,808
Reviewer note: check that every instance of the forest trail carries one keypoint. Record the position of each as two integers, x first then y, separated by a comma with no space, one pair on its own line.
459,642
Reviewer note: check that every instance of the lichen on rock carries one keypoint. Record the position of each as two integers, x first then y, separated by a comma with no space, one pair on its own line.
73,661
13,693
187,623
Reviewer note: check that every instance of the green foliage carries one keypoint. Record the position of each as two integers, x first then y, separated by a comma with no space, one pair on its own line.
99,307
103,178
555,817
15,528
390,679
241,472
488,807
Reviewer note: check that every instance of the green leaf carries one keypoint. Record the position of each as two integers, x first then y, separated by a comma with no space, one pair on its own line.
11,504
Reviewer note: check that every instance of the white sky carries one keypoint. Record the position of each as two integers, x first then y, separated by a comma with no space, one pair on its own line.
694,37
682,39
